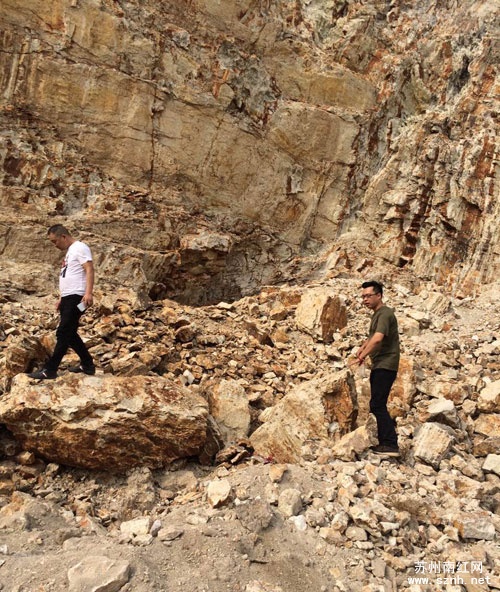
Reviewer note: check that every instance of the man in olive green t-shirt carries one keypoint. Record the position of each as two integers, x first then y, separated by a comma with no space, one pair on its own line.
382,346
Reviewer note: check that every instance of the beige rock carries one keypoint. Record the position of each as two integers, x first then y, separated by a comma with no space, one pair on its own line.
218,492
129,365
492,464
307,412
321,313
97,572
206,240
432,443
279,311
475,526
338,87
460,486
228,403
489,398
177,480
484,446
348,491
22,353
312,134
468,465
340,521
357,441
6,486
142,540
379,568
443,411
25,512
136,527
276,472
139,496
299,522
256,515
106,422
356,533
455,392
404,389
435,302
170,533
316,517
409,327
260,334
290,502
331,535
368,513
488,424
421,318
25,458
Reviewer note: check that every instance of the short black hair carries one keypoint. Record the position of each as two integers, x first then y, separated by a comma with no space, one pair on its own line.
378,288
58,230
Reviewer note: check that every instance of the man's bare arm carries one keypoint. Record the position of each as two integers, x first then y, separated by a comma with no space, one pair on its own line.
88,298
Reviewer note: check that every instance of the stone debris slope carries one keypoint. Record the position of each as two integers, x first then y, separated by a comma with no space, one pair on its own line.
242,512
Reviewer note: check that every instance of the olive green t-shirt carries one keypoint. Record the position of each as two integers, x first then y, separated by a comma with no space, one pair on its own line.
387,355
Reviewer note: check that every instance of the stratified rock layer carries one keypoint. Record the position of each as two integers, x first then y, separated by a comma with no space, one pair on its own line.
366,129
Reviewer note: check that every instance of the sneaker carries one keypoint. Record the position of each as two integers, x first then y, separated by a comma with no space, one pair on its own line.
43,374
385,450
85,369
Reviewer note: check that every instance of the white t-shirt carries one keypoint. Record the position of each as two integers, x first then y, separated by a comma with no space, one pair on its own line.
73,279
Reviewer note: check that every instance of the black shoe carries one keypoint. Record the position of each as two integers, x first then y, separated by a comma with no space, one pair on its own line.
90,370
385,450
43,374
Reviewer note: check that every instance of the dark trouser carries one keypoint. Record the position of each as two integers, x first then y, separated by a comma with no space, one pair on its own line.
381,381
67,334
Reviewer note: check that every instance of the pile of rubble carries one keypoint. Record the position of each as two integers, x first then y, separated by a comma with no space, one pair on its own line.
268,484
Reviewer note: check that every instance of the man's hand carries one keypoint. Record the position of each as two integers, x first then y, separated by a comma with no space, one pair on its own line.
87,300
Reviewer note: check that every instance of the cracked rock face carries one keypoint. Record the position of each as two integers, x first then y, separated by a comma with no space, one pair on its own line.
356,128
239,168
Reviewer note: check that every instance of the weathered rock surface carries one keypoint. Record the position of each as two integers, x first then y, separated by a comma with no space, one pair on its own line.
227,161
365,128
321,313
313,411
432,443
228,404
106,422
98,574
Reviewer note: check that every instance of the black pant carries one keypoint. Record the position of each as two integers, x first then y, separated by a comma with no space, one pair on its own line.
67,334
381,381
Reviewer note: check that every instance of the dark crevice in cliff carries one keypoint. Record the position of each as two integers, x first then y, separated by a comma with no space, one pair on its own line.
203,277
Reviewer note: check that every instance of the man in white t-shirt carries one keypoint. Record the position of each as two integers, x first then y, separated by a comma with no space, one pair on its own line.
76,284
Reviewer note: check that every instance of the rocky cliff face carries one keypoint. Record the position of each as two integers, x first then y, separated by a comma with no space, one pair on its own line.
358,128
206,149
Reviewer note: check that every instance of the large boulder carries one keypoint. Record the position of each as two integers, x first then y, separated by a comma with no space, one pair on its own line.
106,422
322,409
